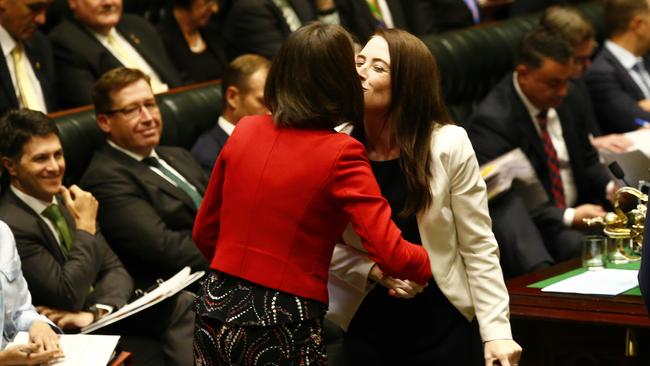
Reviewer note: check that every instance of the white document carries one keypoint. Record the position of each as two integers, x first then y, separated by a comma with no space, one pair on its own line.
600,282
640,140
513,170
166,289
80,349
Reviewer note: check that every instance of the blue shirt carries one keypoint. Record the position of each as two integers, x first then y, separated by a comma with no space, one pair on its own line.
16,307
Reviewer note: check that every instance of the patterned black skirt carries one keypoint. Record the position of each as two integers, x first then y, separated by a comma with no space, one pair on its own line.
241,323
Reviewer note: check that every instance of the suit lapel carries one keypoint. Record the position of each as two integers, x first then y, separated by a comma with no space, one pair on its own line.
630,84
7,85
181,167
50,243
304,10
150,177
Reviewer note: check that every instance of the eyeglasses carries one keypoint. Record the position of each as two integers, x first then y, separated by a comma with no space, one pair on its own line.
39,6
133,111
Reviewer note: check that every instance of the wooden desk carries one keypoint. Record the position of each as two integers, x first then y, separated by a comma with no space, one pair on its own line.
568,329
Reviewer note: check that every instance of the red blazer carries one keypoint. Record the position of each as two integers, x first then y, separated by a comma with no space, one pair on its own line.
279,199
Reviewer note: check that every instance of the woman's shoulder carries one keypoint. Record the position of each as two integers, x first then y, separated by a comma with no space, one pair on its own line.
449,137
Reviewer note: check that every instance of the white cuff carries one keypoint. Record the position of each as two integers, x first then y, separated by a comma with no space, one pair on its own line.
569,215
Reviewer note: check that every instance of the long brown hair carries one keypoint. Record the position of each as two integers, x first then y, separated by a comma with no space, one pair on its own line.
416,107
313,82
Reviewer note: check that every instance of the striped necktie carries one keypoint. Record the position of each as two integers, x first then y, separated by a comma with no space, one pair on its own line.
473,8
552,161
376,13
180,183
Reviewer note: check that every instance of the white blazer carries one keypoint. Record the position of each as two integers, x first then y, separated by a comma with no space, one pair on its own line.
456,231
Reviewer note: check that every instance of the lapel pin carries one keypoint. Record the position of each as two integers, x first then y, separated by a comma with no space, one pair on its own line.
134,38
37,65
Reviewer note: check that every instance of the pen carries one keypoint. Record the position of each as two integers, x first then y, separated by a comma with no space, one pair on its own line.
641,122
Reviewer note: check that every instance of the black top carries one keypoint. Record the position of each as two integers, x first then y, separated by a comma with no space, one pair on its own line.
194,67
418,322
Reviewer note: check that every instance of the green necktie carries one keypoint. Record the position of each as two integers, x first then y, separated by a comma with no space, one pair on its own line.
54,214
183,185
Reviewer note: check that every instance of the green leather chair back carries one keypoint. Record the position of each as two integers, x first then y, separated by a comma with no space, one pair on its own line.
185,114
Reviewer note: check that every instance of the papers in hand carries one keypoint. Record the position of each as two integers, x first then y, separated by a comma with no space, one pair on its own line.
513,170
80,349
602,282
166,289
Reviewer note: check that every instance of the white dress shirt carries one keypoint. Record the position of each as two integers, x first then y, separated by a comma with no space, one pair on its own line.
225,125
628,60
135,57
8,44
554,128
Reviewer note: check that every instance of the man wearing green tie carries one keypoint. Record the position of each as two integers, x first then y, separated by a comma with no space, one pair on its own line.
148,194
74,276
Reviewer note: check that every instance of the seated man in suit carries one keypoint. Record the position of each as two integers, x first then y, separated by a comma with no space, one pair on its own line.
572,25
27,68
73,274
260,26
242,90
362,17
438,16
148,195
100,38
533,109
618,80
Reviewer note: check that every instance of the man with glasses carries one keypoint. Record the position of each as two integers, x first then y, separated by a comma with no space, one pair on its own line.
99,38
73,275
148,194
27,68
619,79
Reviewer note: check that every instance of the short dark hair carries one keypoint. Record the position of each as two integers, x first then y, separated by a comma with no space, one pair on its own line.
240,70
17,127
112,81
619,13
313,82
188,3
541,43
568,22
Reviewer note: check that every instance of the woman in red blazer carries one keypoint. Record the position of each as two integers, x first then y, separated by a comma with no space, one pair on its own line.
281,193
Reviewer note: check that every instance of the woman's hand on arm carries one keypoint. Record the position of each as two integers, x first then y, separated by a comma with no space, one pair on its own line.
506,351
396,288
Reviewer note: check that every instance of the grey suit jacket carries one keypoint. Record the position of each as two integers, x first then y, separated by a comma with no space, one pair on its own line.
147,220
61,281
81,59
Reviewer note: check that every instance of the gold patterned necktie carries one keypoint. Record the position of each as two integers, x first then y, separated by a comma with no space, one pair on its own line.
27,95
131,62
54,214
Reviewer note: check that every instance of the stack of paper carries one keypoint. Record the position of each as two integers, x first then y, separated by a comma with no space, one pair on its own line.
602,282
80,349
166,289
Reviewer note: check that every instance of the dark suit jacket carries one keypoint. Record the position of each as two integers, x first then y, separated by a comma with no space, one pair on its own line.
81,59
258,26
61,281
644,272
39,52
502,123
436,16
357,19
208,146
208,65
147,220
615,94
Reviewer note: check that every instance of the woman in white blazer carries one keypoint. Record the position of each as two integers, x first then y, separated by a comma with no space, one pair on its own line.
428,172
